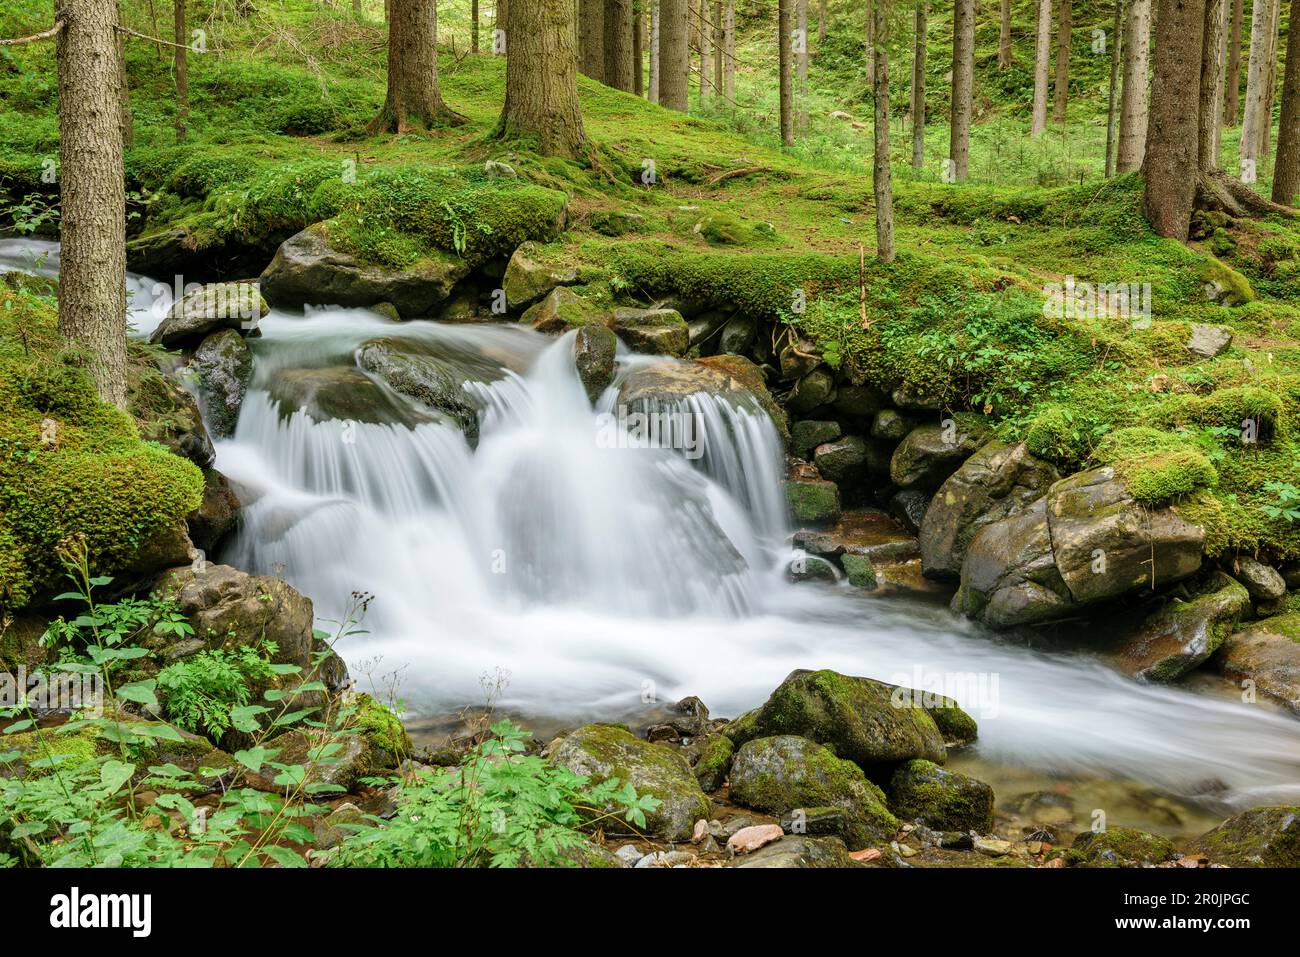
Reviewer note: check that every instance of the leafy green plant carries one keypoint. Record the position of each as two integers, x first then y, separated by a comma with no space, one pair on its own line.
1286,501
200,691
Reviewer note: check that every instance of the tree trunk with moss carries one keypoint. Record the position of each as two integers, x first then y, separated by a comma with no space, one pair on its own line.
92,192
414,100
592,27
963,88
541,78
1286,169
1172,148
674,55
881,175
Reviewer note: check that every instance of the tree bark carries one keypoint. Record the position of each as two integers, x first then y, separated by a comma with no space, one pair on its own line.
1232,78
1134,103
1172,148
473,25
705,36
674,55
414,99
881,176
124,90
654,51
618,44
821,22
1258,67
871,44
1286,167
963,84
92,192
784,22
1211,85
1042,62
638,49
1005,55
1061,91
541,78
719,40
1112,101
1266,127
592,14
729,50
181,66
918,84
801,67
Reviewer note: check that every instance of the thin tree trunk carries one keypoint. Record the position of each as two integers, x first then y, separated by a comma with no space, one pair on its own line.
473,25
654,51
638,49
784,21
706,50
1134,103
718,40
880,172
1211,85
1061,91
963,84
674,54
821,22
1286,168
1257,69
729,50
1172,151
181,66
1042,62
1005,55
918,84
618,44
1112,102
871,44
92,192
1266,127
414,98
541,78
1232,80
801,67
593,38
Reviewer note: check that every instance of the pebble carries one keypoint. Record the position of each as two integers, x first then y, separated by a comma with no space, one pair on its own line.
629,854
992,846
750,839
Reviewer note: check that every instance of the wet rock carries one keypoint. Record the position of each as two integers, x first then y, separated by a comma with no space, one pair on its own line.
815,389
843,461
737,336
812,499
219,305
941,799
858,400
167,413
998,480
531,275
668,383
1266,653
656,331
750,839
1260,837
868,532
562,310
217,515
341,766
593,355
223,364
1120,847
992,846
799,852
861,573
891,425
782,773
602,751
337,826
807,434
906,397
797,359
1263,582
816,821
432,375
629,855
309,270
710,758
908,506
810,568
1208,341
667,859
1183,634
931,453
863,720
342,394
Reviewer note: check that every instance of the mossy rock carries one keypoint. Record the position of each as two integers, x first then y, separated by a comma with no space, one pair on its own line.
813,501
1260,837
37,753
531,274
594,351
382,729
562,310
941,799
1120,847
784,773
711,757
861,573
603,751
807,434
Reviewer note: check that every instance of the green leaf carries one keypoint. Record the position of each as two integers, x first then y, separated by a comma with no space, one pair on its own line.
141,692
244,718
114,774
284,856
253,758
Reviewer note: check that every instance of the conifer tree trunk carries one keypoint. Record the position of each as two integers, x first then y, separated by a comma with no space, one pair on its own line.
541,78
654,51
1232,78
719,54
821,22
801,67
918,84
1258,67
1004,35
1286,168
784,24
124,90
414,99
674,54
963,87
1135,100
473,25
618,44
1172,150
638,49
1061,91
1112,102
1266,127
1042,58
729,49
881,175
180,60
705,37
1211,85
92,192
871,44
592,15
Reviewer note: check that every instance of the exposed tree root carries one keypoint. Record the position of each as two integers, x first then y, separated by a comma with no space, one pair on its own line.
1217,191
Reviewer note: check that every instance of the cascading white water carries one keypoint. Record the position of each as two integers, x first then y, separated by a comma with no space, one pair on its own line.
599,576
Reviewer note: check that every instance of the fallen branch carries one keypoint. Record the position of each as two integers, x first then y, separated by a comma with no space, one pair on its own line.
35,37
145,36
743,171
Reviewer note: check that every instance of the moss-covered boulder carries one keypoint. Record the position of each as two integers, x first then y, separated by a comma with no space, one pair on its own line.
32,754
1119,847
941,799
594,349
807,434
310,268
388,739
220,305
660,332
998,480
842,461
223,365
1267,654
931,453
860,571
603,751
865,721
811,391
812,499
531,274
562,310
710,758
783,773
1260,837
1184,633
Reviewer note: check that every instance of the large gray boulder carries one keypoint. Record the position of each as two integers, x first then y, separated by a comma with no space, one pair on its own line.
309,269
594,350
223,365
218,305
530,275
931,453
997,481
343,394
1086,541
1266,653
1260,837
657,331
432,374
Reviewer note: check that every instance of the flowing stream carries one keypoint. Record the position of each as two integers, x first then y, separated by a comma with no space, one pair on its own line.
599,576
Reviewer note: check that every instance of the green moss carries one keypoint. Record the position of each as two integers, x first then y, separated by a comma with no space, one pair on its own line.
380,726
714,762
813,501
1120,846
1162,477
941,799
860,571
1231,287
